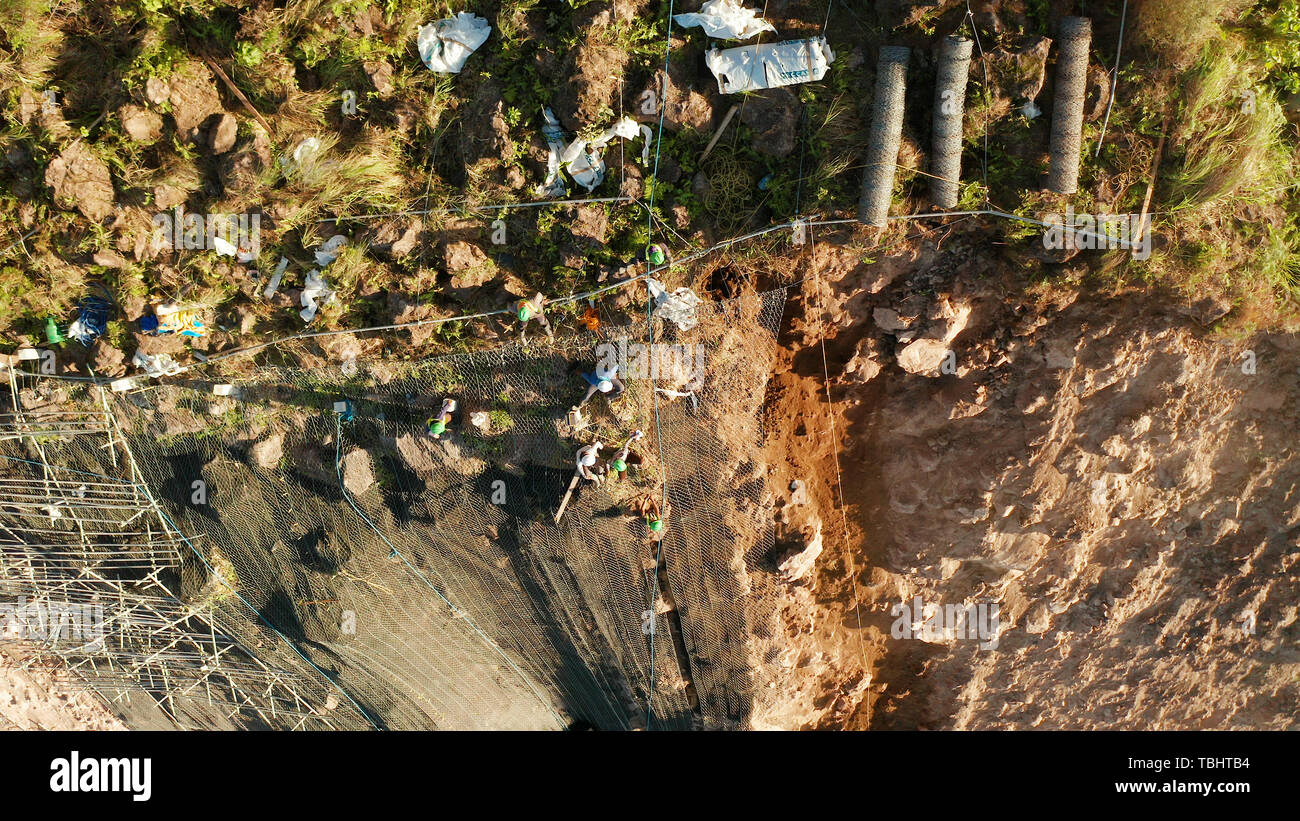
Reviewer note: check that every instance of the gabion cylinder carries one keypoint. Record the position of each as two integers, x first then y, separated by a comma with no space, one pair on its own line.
949,107
1067,110
886,133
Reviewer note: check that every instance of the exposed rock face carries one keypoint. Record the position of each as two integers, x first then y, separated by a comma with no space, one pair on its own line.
358,474
380,73
798,562
140,124
193,97
169,196
136,233
420,452
396,239
37,697
223,133
156,90
593,71
686,105
81,180
109,259
864,365
888,320
454,457
469,266
1096,468
107,360
1017,73
926,356
240,170
268,452
1101,498
28,106
1028,63
773,113
1113,521
484,135
402,310
688,108
923,356
590,222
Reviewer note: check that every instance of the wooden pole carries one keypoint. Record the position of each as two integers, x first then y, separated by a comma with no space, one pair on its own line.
564,503
725,121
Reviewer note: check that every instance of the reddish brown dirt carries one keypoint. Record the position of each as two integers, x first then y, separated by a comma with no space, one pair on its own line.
1099,465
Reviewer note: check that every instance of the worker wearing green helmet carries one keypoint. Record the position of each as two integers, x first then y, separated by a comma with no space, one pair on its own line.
528,310
437,425
647,508
619,462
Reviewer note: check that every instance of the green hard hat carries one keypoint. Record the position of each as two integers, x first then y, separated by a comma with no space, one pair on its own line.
656,525
655,254
525,312
437,426
620,465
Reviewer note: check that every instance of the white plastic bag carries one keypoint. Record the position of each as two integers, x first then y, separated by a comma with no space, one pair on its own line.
554,136
677,307
223,248
329,250
303,152
315,292
274,284
229,249
156,365
582,159
749,68
445,45
725,19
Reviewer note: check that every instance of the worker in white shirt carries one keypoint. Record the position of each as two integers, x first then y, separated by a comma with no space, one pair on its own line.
587,457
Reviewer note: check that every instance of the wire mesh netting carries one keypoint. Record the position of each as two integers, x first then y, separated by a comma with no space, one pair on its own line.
400,581
87,573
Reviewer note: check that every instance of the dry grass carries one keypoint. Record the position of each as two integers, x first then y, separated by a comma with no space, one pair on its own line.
1228,208
1228,151
332,181
28,45
1177,30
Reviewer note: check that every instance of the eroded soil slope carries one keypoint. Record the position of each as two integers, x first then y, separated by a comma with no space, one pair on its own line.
1101,466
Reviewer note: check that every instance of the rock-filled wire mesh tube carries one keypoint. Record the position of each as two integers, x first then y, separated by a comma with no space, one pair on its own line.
886,132
1067,110
949,106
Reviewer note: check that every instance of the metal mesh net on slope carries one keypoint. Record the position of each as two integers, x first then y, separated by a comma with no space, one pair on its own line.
86,563
429,578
